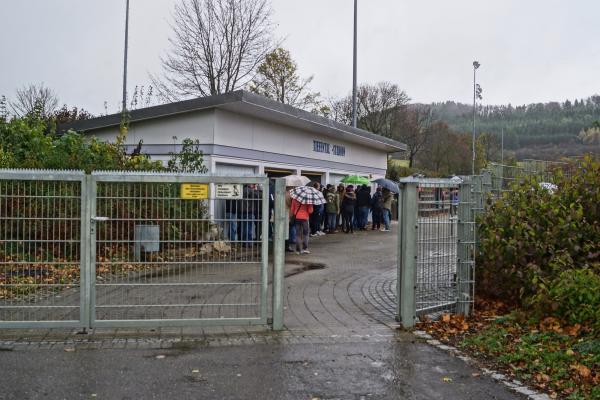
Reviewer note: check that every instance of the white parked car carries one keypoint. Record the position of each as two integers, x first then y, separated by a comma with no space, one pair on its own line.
550,187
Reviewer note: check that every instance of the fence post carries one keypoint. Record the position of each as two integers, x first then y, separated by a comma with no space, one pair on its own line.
486,185
279,233
496,171
465,247
85,289
407,254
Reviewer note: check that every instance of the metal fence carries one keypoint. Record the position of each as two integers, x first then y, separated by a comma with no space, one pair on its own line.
42,279
437,241
504,176
126,249
436,219
160,255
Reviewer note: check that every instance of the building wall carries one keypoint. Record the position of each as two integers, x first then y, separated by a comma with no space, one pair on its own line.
229,139
238,130
160,131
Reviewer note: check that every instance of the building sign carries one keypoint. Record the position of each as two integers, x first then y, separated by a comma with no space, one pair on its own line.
194,191
322,147
229,191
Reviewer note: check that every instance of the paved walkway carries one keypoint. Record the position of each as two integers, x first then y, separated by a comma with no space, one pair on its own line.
345,287
353,294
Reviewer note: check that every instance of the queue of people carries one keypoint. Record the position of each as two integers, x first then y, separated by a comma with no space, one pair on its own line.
344,209
241,216
335,209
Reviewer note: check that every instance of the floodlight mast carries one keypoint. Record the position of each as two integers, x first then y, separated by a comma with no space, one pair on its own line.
354,66
475,66
124,105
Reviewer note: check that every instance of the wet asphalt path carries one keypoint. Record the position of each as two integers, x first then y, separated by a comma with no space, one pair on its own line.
398,369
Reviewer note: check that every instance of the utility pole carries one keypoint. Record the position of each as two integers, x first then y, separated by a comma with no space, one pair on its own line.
354,67
124,107
475,66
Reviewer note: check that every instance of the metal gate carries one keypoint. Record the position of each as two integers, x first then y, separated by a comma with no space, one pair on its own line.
43,281
124,249
436,248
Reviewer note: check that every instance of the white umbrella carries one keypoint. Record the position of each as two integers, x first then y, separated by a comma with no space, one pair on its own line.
296,180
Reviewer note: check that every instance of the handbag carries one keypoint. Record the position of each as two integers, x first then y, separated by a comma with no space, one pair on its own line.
293,217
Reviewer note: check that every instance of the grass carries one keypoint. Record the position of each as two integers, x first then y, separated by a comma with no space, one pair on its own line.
564,361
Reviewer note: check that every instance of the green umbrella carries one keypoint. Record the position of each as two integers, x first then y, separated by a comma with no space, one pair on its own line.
356,180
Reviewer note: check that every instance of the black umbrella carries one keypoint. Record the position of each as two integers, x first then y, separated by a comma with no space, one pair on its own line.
388,184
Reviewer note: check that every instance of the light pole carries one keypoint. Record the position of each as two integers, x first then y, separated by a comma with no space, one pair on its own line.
475,66
502,148
354,67
125,57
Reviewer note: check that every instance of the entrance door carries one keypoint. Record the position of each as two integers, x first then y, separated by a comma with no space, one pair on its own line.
273,173
314,176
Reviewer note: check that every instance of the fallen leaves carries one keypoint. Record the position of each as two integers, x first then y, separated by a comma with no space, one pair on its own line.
572,330
550,355
447,325
582,370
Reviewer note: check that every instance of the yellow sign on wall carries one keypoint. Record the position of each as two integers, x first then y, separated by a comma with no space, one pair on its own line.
194,191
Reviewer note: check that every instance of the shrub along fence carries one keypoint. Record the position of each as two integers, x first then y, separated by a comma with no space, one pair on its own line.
439,242
539,244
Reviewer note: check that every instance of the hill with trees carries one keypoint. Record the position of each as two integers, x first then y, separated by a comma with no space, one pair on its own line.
539,130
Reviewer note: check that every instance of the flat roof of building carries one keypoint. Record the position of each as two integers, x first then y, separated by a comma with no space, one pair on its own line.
251,104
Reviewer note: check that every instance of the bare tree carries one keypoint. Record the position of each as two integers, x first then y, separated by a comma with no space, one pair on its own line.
340,110
216,47
413,127
378,107
36,100
277,78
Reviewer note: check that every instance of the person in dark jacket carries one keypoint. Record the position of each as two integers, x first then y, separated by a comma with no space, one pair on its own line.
232,212
317,215
332,208
341,190
377,208
348,204
363,201
249,212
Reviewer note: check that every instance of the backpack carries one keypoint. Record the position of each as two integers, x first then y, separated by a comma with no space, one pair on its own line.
378,201
330,198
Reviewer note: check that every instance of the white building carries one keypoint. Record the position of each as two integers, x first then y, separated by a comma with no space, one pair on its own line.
242,133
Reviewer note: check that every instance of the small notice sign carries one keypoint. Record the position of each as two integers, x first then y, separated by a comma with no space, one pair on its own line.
194,191
229,191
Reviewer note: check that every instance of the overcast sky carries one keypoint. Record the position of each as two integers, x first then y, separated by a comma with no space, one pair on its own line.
530,50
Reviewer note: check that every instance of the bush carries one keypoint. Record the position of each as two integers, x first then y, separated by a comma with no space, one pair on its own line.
573,296
530,237
30,143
